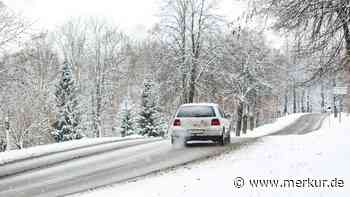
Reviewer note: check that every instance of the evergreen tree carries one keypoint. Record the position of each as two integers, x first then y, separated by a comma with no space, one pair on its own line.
150,121
68,115
127,119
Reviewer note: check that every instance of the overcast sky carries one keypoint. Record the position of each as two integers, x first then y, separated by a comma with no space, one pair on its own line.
132,16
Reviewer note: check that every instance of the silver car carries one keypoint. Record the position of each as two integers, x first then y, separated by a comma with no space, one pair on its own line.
200,121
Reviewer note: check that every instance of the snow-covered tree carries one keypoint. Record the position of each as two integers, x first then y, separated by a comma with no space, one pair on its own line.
127,119
321,28
12,26
127,124
189,26
150,121
106,43
29,74
68,117
95,49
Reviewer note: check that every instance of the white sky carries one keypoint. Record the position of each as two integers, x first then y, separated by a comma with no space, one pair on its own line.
127,14
50,13
133,16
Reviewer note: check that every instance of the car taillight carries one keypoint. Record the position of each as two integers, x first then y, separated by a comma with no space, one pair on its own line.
177,122
215,122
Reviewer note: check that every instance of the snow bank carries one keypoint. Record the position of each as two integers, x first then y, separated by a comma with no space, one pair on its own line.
15,155
323,154
279,124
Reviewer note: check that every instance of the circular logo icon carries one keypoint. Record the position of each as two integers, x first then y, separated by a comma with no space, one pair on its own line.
238,182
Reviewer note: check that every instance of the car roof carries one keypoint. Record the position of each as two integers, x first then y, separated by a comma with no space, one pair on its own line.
199,104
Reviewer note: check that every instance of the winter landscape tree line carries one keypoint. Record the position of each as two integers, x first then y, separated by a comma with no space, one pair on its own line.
87,78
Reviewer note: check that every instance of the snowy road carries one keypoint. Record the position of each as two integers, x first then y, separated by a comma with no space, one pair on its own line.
117,165
305,124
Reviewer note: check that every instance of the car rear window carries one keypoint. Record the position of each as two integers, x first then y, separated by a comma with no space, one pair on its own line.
196,111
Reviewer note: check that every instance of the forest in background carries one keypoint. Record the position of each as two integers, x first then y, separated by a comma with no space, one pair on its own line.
191,55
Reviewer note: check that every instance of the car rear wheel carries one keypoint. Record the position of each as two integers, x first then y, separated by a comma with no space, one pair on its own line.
222,139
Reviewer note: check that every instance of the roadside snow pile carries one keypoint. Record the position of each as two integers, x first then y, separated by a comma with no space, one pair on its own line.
279,124
14,155
323,154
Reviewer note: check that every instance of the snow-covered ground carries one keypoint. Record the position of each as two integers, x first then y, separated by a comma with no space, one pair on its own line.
14,155
323,154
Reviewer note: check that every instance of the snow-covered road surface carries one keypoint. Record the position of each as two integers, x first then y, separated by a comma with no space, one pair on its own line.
303,126
43,150
102,169
322,155
30,163
113,166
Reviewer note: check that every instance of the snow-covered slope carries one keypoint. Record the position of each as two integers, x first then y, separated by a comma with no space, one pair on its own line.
323,154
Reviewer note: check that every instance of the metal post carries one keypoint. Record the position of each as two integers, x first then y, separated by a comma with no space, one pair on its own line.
335,110
329,110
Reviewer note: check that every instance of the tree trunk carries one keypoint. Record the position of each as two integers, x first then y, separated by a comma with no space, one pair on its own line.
302,101
347,74
184,89
21,143
93,112
285,110
98,110
192,87
183,27
239,118
251,123
322,98
196,46
308,108
245,124
294,98
183,63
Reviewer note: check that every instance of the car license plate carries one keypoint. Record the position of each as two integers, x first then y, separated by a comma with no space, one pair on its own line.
196,131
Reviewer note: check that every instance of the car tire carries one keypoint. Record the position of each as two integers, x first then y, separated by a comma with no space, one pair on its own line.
222,139
185,144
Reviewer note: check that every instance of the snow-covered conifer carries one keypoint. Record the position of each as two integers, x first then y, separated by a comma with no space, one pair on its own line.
150,121
127,119
68,115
